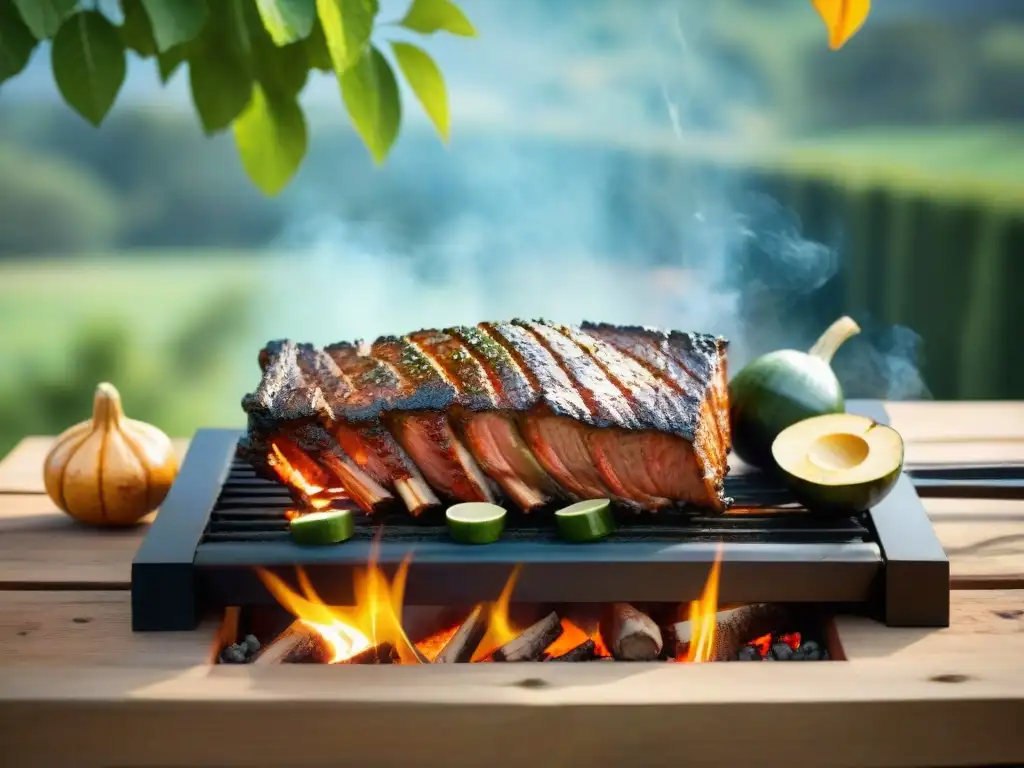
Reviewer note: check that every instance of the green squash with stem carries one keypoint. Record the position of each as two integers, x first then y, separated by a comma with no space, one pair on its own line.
783,387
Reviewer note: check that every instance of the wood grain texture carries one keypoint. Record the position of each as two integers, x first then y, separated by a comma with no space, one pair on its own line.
42,546
21,471
986,623
85,628
923,421
925,712
983,539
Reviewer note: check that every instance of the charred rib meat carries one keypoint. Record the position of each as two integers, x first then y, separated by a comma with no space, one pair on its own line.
527,410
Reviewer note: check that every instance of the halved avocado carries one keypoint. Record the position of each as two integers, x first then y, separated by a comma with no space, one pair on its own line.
839,462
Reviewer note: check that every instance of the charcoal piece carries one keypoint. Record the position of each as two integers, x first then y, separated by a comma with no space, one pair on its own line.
735,628
813,651
462,645
798,655
233,654
252,644
585,651
782,651
530,644
749,653
630,634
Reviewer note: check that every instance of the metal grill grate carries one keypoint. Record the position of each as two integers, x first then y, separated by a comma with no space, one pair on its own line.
253,509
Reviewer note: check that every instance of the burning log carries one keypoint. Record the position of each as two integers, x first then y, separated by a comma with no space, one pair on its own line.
385,653
464,642
585,651
631,635
531,643
734,629
298,643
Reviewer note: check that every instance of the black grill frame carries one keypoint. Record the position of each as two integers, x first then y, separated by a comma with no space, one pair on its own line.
220,521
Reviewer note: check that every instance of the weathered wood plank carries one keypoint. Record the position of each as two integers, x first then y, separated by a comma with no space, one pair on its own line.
982,623
960,712
85,628
983,538
923,421
40,545
21,471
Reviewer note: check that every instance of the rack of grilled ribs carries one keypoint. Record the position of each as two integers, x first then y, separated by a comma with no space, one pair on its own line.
529,411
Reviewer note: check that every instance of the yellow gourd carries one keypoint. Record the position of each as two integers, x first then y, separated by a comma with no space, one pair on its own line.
109,470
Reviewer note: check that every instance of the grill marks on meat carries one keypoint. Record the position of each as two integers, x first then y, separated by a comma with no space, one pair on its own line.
482,418
535,409
425,431
373,448
693,367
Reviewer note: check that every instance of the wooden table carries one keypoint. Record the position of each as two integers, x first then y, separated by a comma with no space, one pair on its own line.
77,688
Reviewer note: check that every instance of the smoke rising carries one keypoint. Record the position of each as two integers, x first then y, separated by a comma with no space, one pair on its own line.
614,216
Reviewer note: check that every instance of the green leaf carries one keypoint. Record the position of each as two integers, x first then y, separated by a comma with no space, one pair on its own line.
221,86
88,64
16,41
136,31
429,16
168,61
271,139
347,26
280,69
426,81
317,53
371,96
287,21
44,17
236,20
288,69
176,21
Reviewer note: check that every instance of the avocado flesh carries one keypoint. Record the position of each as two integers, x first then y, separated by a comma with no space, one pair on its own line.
839,462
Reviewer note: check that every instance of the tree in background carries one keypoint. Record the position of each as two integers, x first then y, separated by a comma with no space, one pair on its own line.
248,61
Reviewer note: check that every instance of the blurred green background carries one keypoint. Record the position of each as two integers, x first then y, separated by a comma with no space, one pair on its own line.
706,166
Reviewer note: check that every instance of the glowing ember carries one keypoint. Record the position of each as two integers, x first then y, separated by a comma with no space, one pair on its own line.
574,635
763,644
435,643
703,616
374,619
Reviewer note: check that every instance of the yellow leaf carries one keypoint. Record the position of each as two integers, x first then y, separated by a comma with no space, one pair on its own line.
842,18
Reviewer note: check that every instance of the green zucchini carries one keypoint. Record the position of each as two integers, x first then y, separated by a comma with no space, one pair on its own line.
476,522
589,520
783,387
331,526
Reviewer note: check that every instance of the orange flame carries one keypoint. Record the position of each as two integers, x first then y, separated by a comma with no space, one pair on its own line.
573,635
433,645
315,495
500,629
374,619
703,615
